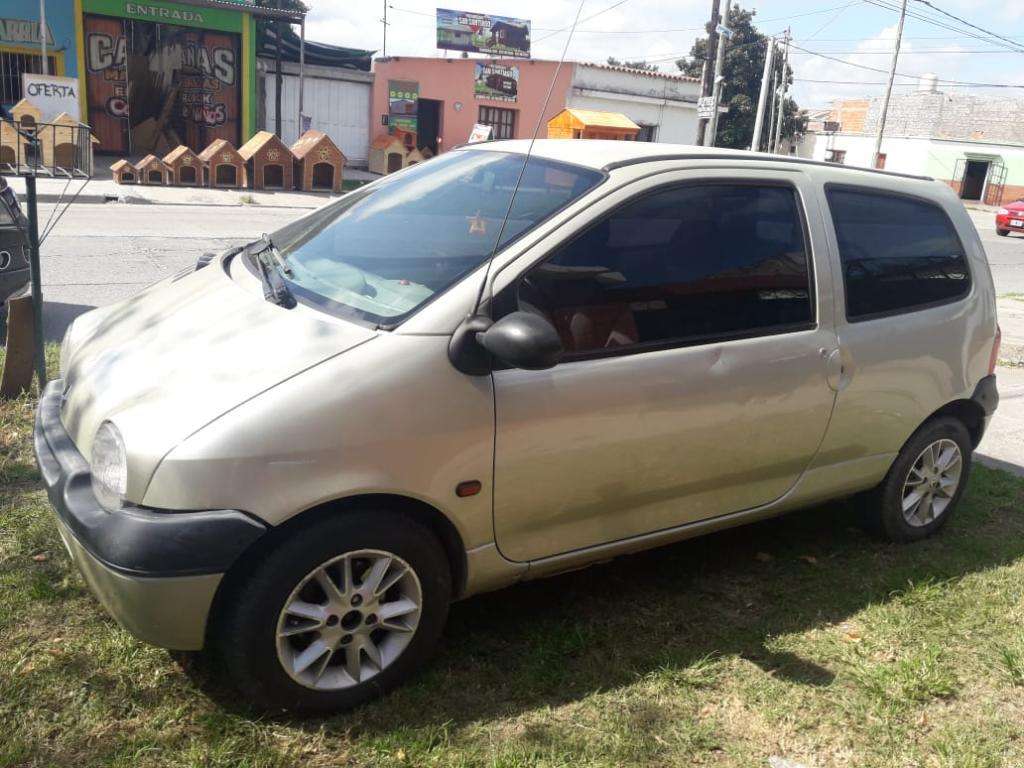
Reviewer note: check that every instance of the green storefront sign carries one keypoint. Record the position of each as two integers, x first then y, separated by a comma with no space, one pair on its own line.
171,13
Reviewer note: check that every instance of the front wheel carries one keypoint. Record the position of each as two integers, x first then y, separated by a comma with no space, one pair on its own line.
340,612
924,484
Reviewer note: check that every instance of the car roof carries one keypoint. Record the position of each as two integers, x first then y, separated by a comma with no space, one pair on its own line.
603,154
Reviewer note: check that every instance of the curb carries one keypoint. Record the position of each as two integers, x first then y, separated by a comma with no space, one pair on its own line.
50,199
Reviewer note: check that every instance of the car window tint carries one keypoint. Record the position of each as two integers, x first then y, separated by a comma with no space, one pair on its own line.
683,264
897,253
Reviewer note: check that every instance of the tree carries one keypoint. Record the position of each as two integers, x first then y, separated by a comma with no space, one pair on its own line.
643,65
742,69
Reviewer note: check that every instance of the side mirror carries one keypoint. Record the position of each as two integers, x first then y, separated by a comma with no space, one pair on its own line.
523,340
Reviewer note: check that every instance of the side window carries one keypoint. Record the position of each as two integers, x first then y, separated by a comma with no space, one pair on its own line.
682,265
898,253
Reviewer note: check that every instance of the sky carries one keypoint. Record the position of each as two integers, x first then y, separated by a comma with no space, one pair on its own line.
857,32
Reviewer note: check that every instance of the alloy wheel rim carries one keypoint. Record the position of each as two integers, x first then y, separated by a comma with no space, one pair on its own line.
932,482
348,619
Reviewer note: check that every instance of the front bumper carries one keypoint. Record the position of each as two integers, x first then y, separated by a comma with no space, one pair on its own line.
156,572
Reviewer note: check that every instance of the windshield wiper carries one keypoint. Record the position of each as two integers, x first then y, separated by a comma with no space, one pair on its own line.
270,265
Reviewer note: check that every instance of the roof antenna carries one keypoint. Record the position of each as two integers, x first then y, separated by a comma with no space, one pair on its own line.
485,284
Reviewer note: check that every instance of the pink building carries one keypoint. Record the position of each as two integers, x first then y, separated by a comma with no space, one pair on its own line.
439,100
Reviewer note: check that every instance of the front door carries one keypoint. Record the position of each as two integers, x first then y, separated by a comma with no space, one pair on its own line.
694,382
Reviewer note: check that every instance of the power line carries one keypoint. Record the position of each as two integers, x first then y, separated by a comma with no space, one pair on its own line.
964,21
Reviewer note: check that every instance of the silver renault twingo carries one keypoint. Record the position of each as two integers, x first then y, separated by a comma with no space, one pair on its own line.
501,364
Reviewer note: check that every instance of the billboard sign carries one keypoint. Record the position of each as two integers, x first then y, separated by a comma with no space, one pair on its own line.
403,105
495,82
482,33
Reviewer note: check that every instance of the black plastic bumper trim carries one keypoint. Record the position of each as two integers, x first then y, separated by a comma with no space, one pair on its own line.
136,540
987,395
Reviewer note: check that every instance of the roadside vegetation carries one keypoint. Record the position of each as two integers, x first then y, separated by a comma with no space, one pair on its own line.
799,638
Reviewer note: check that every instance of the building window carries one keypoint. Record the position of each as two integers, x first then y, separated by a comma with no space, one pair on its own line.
12,65
647,133
502,121
835,156
880,162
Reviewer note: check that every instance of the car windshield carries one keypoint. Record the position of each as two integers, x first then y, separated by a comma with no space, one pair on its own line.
381,253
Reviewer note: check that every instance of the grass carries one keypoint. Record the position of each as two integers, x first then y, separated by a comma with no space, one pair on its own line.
799,638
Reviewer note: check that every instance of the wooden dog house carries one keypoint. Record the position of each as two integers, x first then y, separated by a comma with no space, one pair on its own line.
387,154
222,165
124,172
14,148
269,162
592,124
318,163
152,171
414,157
184,167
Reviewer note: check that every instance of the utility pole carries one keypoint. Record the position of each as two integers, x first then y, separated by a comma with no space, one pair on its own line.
783,90
771,107
755,141
278,42
42,37
707,84
384,47
888,90
716,91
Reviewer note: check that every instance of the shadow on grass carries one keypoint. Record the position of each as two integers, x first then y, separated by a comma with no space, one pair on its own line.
666,611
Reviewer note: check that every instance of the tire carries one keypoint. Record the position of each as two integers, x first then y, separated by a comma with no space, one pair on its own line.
883,507
250,634
1002,232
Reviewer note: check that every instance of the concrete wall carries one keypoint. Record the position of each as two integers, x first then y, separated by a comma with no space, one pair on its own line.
922,156
668,102
450,81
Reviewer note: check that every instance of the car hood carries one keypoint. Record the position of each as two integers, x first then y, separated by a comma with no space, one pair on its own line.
170,360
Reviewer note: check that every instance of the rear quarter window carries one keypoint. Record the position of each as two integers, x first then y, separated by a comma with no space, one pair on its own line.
899,254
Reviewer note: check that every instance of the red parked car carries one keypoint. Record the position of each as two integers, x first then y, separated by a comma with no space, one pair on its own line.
1010,218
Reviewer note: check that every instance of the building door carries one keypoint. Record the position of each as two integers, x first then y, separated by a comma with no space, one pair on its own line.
428,116
973,184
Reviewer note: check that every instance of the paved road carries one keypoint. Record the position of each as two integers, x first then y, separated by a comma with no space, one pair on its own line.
98,254
1005,254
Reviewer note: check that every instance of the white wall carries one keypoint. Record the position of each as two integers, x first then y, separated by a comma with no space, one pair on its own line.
666,102
337,100
903,155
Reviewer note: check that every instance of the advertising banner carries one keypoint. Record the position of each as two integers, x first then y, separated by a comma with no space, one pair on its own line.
152,87
482,33
51,94
495,82
403,104
479,133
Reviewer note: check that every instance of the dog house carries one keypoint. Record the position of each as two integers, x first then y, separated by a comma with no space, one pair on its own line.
124,172
387,154
414,157
592,124
269,162
318,163
152,171
15,149
59,142
222,165
184,167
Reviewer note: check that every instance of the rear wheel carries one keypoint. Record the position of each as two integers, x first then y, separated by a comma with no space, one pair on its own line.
924,484
337,614
1002,232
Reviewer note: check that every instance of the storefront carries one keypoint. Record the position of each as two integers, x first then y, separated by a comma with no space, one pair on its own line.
21,38
160,74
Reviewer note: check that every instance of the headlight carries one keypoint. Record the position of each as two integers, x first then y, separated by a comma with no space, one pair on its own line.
1002,212
109,467
65,352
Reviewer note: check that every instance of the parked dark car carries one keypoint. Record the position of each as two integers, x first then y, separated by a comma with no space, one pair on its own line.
14,273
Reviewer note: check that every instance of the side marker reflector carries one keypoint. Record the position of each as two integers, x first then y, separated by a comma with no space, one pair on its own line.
468,488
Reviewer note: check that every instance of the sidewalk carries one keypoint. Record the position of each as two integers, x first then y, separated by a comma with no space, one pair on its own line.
104,190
